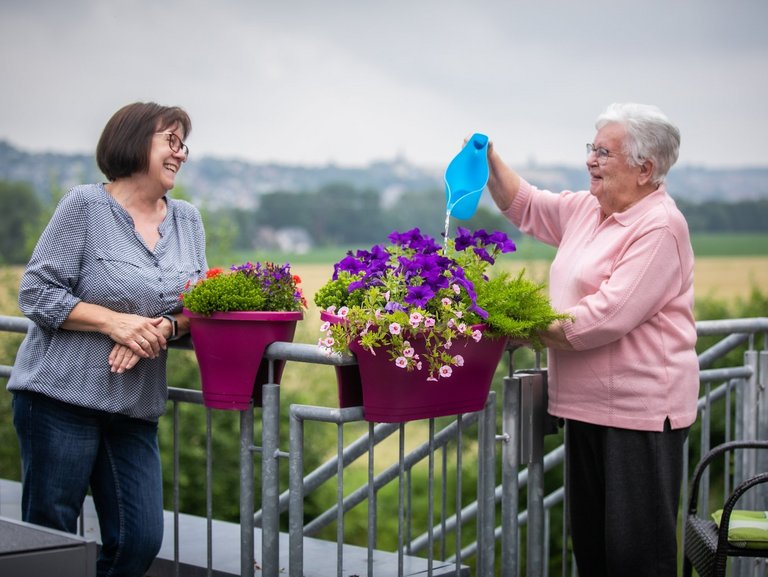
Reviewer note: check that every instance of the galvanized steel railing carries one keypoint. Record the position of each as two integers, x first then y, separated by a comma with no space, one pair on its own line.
523,463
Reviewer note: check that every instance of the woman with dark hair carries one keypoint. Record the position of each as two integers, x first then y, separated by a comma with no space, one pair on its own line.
623,370
89,383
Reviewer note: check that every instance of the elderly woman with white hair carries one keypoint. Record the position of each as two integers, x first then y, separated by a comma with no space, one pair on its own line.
623,370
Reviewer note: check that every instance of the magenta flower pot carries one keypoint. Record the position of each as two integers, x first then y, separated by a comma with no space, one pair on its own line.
395,395
230,348
348,384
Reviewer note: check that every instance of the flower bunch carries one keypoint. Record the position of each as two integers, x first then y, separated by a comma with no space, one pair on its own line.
417,290
247,287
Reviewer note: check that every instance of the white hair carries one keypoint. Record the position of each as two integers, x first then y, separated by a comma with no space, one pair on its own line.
650,135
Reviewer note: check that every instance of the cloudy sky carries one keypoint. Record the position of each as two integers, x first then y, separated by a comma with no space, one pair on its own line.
350,81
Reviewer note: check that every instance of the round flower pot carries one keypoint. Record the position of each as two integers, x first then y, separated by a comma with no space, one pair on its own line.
348,384
394,395
230,348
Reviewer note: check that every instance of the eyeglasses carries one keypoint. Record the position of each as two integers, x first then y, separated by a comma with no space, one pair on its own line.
601,153
175,143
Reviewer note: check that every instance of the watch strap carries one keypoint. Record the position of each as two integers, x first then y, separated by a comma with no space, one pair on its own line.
174,327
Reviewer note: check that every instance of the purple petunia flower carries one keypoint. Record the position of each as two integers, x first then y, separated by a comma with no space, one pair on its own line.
419,296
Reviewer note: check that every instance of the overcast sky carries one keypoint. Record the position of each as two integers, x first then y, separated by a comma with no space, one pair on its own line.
350,81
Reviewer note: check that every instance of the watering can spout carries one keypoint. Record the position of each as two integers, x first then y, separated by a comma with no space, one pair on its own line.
480,141
466,177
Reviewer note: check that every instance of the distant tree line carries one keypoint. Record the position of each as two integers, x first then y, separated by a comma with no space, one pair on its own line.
333,215
718,216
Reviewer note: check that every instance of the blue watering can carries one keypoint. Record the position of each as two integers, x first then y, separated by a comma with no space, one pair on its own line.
466,177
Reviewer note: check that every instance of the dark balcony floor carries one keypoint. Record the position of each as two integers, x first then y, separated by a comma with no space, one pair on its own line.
319,556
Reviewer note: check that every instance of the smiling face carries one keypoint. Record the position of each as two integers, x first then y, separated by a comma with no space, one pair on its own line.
616,184
164,162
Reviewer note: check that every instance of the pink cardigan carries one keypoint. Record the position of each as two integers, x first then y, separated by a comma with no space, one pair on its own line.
628,283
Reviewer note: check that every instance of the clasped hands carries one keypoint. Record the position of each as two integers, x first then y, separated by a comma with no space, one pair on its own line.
136,338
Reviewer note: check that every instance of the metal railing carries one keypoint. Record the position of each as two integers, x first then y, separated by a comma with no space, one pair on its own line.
486,530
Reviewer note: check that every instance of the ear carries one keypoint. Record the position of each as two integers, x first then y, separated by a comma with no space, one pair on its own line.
646,170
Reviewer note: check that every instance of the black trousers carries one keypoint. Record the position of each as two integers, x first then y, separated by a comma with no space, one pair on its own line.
623,497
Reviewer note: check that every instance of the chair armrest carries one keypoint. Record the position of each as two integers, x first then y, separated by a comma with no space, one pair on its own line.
711,456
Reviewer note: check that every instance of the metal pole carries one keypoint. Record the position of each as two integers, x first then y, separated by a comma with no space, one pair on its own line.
372,533
510,463
246,492
532,401
296,501
209,490
486,486
270,479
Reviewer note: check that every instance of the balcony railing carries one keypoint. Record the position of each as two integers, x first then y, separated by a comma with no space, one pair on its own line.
485,476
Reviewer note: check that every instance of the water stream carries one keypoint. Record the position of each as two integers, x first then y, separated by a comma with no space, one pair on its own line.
447,226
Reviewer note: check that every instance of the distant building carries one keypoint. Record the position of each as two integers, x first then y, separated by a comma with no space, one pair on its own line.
293,239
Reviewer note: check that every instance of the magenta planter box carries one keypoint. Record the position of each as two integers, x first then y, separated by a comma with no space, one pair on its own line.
230,348
393,395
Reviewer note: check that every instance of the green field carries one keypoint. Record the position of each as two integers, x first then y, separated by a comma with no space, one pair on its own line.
732,244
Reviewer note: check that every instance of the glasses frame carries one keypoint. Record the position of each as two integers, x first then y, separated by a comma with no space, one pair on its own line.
602,153
179,143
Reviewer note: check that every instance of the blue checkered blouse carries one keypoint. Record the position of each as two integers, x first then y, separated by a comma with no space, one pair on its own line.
91,252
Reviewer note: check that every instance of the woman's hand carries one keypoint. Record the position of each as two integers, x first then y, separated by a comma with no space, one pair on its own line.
554,337
142,335
122,359
503,182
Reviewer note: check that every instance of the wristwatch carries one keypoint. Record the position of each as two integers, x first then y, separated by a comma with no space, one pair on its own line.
174,327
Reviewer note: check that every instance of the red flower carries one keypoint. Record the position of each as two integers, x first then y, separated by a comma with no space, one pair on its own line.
212,272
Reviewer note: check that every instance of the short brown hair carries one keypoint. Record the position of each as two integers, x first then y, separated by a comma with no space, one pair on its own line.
125,142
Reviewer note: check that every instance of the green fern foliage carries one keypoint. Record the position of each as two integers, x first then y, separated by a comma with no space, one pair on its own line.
517,307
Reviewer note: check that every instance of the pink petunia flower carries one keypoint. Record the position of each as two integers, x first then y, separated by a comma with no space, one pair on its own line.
401,362
458,360
395,328
446,371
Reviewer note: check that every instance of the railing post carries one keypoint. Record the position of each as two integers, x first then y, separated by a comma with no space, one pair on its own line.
270,481
510,463
486,485
246,492
762,432
751,415
533,417
296,499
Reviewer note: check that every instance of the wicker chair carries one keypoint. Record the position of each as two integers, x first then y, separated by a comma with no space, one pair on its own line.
706,547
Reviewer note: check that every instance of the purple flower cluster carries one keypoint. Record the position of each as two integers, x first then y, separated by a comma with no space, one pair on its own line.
421,266
277,282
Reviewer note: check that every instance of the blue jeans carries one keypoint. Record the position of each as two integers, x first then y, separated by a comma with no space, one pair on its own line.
65,449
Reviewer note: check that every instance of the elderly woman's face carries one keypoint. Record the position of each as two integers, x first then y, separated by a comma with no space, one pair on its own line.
613,181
